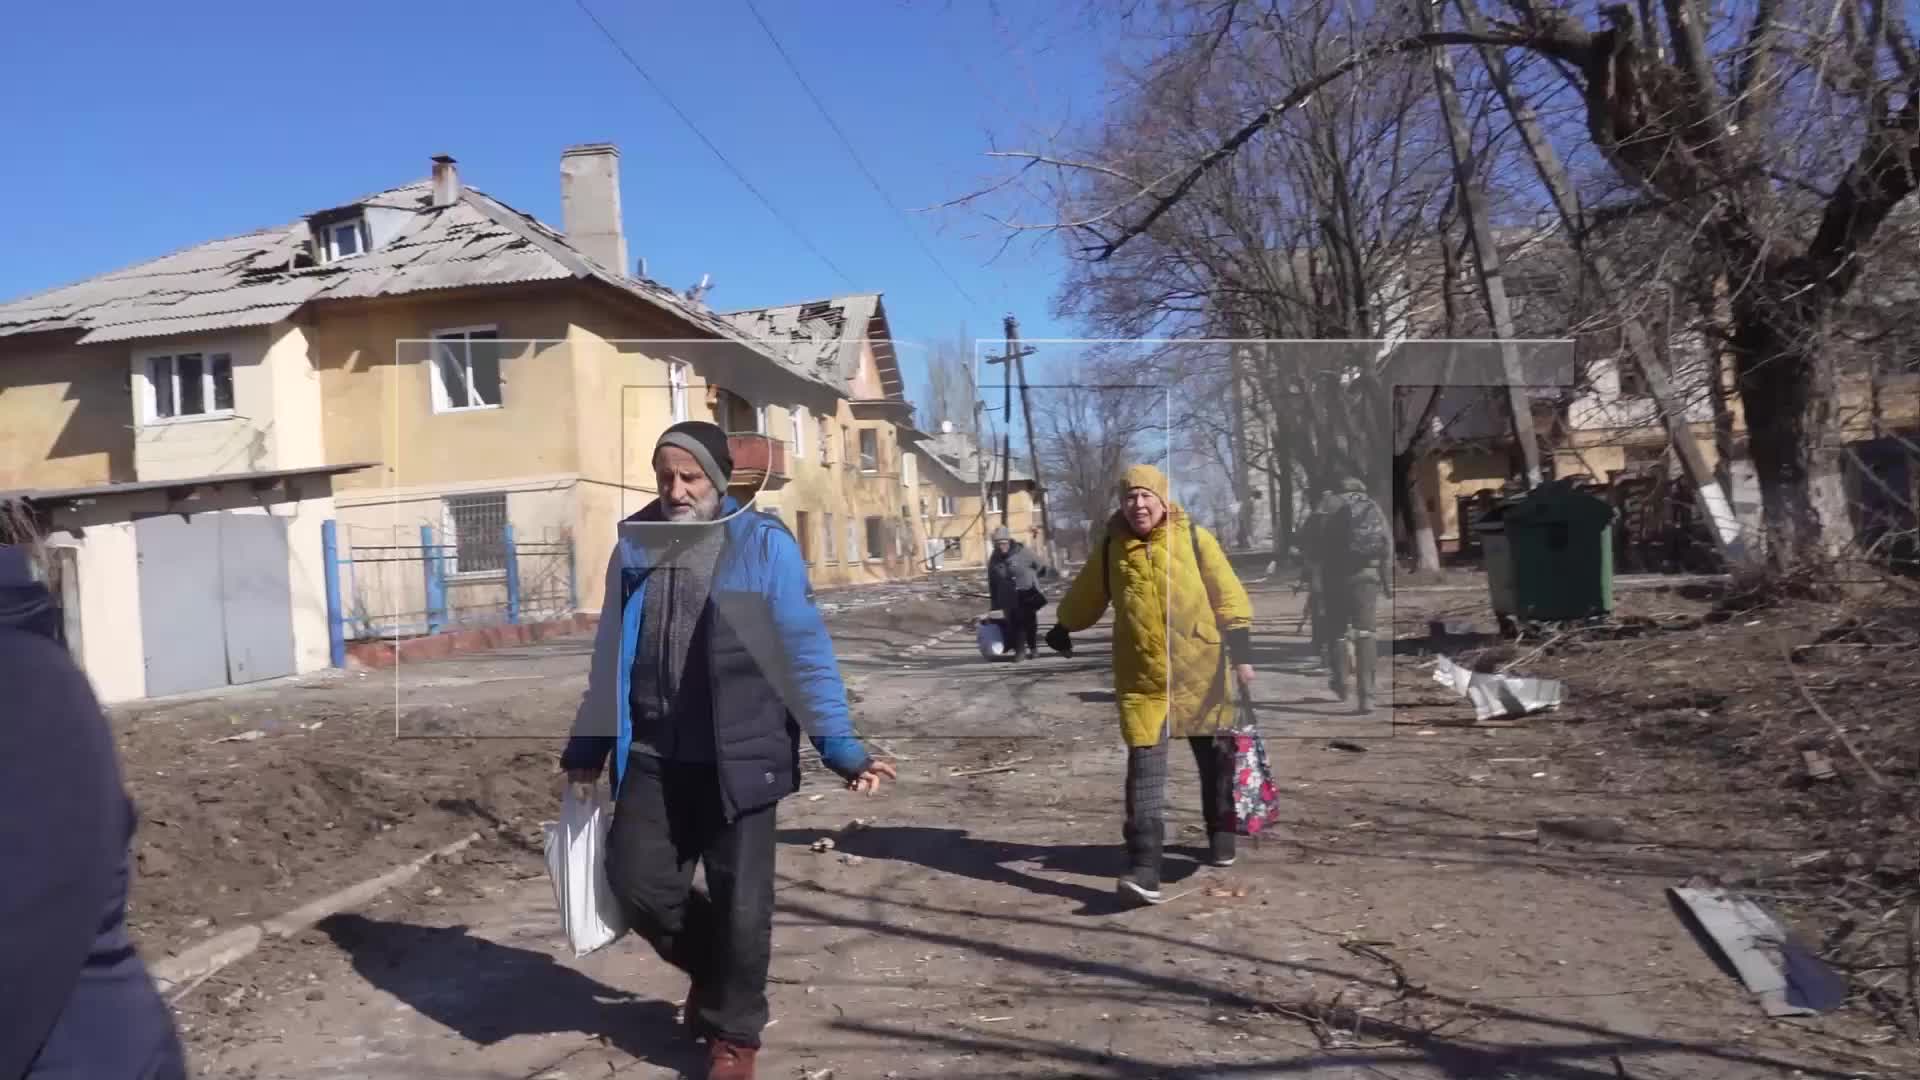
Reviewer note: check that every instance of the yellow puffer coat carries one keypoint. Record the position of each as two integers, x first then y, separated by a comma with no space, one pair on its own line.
1207,600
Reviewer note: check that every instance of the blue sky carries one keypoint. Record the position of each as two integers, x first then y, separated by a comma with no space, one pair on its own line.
153,127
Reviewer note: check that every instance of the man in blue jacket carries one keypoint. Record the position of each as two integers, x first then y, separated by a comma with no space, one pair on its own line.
709,661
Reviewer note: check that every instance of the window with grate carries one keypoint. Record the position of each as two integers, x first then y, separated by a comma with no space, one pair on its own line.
476,527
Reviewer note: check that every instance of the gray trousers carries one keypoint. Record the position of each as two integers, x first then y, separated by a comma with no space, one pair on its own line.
1146,825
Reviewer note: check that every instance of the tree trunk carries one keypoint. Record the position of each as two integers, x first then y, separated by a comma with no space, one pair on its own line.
1282,487
1413,510
1783,398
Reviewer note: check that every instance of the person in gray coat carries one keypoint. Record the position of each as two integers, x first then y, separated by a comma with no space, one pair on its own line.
1013,588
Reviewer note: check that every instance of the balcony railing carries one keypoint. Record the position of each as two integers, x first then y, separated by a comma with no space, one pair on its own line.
759,461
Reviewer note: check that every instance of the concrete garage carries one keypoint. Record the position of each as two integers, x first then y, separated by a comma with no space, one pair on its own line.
177,586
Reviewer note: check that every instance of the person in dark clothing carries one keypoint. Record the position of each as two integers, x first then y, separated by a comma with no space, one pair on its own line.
710,659
76,1001
1352,556
1013,588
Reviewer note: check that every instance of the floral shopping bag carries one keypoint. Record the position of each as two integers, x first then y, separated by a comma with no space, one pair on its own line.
1254,799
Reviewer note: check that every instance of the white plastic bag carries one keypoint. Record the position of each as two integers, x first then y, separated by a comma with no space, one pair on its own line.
993,639
577,863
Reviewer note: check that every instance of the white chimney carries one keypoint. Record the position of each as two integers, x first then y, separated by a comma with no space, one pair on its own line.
590,203
446,180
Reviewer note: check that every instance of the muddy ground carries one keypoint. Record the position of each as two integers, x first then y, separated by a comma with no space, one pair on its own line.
253,800
1409,917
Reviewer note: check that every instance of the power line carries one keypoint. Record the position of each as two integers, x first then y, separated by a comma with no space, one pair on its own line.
702,136
846,142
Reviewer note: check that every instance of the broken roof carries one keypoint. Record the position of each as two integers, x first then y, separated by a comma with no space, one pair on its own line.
263,276
957,455
822,338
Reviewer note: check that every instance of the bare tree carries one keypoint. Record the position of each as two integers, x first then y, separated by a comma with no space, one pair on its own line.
1091,430
1324,230
1705,114
950,391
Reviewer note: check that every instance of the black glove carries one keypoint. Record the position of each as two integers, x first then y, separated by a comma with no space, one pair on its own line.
1059,640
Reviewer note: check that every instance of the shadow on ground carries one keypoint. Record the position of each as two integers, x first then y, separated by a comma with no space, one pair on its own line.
953,851
1567,1049
489,993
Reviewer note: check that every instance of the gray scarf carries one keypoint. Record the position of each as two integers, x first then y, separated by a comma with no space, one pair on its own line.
669,694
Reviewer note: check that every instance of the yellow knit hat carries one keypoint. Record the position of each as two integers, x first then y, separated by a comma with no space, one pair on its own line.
1144,476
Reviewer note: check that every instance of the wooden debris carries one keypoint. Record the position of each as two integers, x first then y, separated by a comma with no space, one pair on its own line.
1006,766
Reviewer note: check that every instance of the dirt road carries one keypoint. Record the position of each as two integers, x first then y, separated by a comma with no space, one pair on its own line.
1402,922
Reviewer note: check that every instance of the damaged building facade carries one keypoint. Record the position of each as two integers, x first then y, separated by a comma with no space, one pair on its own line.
467,395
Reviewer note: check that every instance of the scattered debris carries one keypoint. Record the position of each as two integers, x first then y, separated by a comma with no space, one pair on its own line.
1349,747
823,845
1788,979
1005,766
851,860
1819,765
1599,830
245,736
1498,696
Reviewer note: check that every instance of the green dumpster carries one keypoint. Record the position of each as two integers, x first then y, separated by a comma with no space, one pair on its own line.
1559,542
1498,558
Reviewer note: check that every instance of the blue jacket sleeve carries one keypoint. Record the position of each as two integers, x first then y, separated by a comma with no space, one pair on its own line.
819,696
597,723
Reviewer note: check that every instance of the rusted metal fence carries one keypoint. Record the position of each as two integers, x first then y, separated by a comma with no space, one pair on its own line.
473,573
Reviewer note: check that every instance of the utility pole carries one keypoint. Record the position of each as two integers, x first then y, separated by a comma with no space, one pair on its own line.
1020,355
1011,357
1486,253
1006,433
980,466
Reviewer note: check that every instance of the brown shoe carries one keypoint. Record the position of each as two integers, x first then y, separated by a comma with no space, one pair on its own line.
727,1061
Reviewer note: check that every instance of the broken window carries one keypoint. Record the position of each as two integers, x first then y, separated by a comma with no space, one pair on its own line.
1632,382
869,450
677,391
466,369
189,384
876,539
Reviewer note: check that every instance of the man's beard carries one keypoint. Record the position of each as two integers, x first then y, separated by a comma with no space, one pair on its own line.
704,509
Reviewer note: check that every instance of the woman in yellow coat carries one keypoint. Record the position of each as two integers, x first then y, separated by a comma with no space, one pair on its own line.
1180,614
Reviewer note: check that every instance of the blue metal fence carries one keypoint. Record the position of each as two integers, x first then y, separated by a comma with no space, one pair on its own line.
389,591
